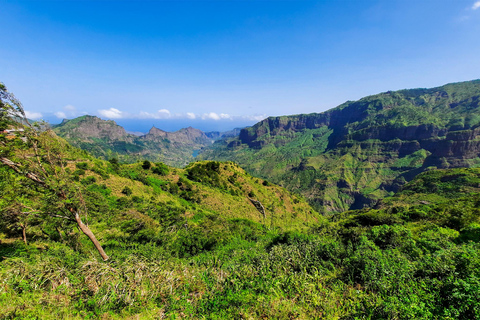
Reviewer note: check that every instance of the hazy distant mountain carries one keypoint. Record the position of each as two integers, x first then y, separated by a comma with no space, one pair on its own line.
361,151
216,135
106,139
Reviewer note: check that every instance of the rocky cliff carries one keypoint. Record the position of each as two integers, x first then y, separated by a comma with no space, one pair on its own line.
364,150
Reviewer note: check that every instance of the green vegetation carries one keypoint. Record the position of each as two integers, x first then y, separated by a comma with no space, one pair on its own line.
211,241
407,259
362,151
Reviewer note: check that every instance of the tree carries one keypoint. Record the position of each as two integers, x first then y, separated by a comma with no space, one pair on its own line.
18,209
38,160
146,165
127,191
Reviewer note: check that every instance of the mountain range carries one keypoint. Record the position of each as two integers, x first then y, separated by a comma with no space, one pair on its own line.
348,157
82,237
106,139
362,151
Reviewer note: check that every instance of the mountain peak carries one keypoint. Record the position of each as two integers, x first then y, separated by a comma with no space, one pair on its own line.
87,127
157,132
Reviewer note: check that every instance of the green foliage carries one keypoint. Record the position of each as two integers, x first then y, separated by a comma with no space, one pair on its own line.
88,180
188,243
160,169
82,166
146,165
206,172
127,191
362,151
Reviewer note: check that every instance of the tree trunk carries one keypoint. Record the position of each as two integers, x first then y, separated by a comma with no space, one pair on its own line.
86,230
24,233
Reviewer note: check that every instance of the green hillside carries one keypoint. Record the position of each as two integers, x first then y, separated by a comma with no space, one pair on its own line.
188,243
362,151
210,241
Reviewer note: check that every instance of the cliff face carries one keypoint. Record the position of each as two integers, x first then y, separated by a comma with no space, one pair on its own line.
363,150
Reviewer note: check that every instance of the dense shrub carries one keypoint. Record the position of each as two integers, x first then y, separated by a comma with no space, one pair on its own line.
160,169
146,165
127,191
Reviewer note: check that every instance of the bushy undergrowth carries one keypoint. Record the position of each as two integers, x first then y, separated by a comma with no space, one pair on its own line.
235,269
177,250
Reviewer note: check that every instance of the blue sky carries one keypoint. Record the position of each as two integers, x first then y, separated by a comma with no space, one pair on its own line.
216,65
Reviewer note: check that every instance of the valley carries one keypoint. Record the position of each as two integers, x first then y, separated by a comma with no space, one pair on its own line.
356,154
379,218
107,140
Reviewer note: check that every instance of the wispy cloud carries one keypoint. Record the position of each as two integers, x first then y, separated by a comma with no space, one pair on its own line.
211,116
114,113
160,114
70,108
476,5
111,113
33,115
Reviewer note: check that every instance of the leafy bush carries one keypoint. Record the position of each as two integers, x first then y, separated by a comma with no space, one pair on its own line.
160,169
127,191
82,165
88,180
146,165
206,172
193,240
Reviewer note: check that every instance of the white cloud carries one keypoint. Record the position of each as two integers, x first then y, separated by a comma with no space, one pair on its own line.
33,115
111,113
145,115
256,117
160,114
68,111
476,5
60,115
211,116
163,113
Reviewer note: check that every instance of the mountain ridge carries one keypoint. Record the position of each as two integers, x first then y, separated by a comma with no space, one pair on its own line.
107,139
361,151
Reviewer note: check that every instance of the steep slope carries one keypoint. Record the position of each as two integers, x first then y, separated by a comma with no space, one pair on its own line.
204,192
211,241
353,155
190,243
106,139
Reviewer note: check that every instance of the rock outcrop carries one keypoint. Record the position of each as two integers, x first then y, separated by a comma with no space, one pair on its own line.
362,150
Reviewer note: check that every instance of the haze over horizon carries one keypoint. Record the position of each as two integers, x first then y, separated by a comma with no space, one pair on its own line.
216,65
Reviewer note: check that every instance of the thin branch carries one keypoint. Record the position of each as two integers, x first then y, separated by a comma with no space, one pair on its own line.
16,167
52,215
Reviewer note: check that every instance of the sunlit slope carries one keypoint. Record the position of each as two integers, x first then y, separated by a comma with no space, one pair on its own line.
353,155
